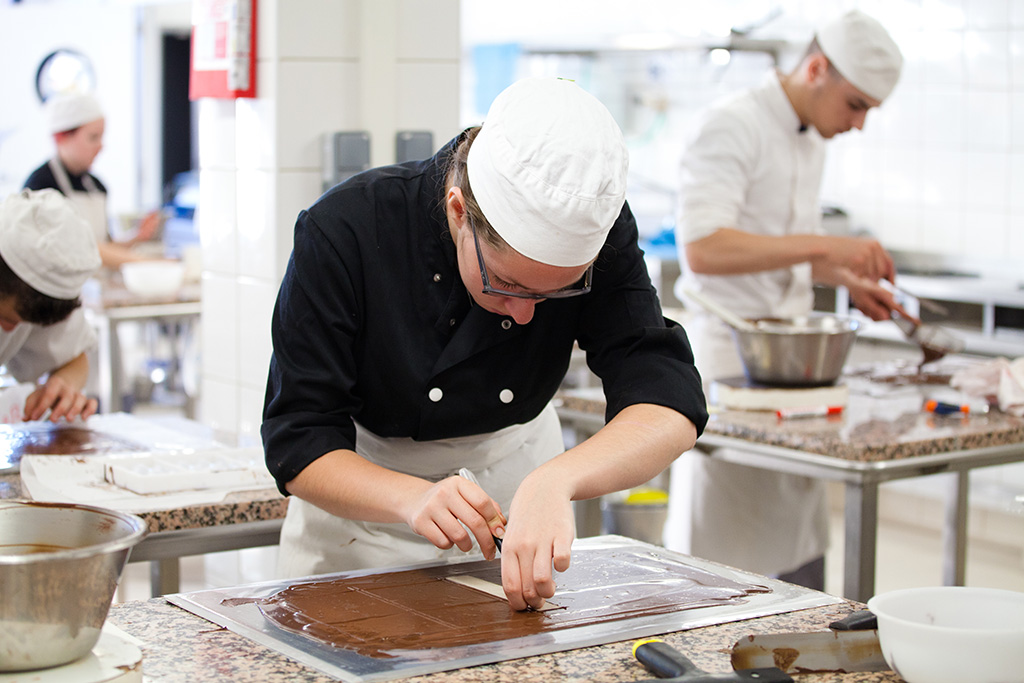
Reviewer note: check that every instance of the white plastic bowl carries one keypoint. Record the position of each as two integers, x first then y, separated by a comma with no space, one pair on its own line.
952,634
153,278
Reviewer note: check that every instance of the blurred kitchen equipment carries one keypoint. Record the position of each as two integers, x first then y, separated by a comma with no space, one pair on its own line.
800,352
935,342
59,567
952,634
731,319
640,515
153,278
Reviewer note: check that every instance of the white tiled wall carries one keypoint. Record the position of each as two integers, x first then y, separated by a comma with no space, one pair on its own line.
260,161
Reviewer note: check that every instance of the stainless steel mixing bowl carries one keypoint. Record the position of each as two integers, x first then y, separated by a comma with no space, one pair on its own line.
796,352
59,567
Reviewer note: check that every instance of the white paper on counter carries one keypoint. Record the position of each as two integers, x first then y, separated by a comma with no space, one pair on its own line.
80,479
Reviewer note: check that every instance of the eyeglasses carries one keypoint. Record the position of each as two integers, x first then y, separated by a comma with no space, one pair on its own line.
581,287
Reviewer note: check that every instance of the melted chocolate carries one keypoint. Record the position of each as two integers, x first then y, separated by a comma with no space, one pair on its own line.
47,438
381,614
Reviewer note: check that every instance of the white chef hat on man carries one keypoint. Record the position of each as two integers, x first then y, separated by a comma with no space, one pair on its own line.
548,170
862,50
68,111
46,244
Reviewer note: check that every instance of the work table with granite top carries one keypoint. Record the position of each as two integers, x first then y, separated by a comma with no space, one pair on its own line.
179,646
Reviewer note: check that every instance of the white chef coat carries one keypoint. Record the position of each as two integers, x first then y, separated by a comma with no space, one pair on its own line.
30,350
750,167
314,541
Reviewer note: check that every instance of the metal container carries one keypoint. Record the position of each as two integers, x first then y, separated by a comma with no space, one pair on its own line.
644,522
59,567
797,352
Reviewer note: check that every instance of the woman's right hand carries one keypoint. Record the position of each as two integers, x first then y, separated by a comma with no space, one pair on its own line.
445,510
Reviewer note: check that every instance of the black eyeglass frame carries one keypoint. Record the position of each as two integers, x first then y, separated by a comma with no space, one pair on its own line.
567,293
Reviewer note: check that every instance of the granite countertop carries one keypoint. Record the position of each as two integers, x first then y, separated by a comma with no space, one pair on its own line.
179,646
883,420
238,507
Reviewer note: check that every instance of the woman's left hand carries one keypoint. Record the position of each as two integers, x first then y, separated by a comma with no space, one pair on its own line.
538,537
61,399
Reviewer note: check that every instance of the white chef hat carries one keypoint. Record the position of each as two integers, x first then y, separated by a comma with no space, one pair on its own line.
46,243
71,110
548,169
863,52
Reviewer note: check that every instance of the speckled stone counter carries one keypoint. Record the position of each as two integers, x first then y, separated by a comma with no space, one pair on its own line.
236,508
883,421
179,646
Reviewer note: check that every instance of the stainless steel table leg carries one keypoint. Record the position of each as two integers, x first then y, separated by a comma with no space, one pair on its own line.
116,370
861,533
954,532
164,577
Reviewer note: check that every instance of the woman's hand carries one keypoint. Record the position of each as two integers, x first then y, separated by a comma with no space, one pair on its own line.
447,508
62,400
539,537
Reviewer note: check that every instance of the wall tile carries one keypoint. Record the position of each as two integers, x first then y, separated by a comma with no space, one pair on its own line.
428,30
424,82
257,237
987,181
296,190
941,231
942,55
219,331
986,234
305,112
943,181
257,122
1017,182
255,306
219,408
215,216
988,58
1017,56
333,35
901,226
988,121
945,14
216,133
986,14
1017,121
250,413
943,118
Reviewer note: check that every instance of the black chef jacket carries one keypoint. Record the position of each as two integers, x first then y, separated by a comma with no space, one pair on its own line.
42,178
373,323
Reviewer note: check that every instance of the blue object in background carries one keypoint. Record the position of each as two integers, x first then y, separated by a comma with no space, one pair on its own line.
661,245
179,209
496,67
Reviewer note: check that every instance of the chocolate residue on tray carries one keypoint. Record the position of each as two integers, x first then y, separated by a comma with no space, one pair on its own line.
45,438
381,614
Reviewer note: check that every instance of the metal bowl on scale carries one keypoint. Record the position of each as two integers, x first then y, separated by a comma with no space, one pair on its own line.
805,351
59,567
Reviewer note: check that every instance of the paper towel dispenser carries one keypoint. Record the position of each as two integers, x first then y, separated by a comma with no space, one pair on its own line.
412,145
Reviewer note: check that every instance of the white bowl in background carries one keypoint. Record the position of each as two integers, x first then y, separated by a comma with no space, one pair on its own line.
153,278
952,634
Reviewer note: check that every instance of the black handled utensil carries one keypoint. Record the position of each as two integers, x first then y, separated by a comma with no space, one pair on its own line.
669,664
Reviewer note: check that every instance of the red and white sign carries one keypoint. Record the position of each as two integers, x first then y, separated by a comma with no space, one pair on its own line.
223,49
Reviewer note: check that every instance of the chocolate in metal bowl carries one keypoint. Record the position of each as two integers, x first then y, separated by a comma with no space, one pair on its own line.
59,567
803,351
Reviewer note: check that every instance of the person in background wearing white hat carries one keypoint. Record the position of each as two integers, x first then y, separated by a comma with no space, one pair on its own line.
46,254
77,124
750,238
425,321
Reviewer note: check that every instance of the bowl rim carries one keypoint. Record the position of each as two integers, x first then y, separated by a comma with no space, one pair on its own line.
851,325
140,529
883,598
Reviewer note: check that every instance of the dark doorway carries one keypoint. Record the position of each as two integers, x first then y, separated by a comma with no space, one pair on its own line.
177,145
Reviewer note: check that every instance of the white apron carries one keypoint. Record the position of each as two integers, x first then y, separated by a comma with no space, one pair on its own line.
90,205
753,519
315,542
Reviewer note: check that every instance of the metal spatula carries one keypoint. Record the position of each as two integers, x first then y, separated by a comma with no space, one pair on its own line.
935,342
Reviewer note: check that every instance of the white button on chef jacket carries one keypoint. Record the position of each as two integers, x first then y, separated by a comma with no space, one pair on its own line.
435,394
506,396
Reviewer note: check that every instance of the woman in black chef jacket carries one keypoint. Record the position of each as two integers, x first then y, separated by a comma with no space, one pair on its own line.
425,321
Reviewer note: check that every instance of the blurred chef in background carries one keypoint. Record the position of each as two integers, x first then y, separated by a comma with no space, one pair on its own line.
47,252
750,238
425,321
77,124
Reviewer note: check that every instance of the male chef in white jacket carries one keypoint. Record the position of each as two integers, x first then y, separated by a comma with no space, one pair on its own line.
749,230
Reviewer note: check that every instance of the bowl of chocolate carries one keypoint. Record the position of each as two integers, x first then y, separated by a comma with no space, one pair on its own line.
804,351
59,567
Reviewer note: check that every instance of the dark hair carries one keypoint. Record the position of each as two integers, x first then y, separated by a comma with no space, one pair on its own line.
457,175
31,305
